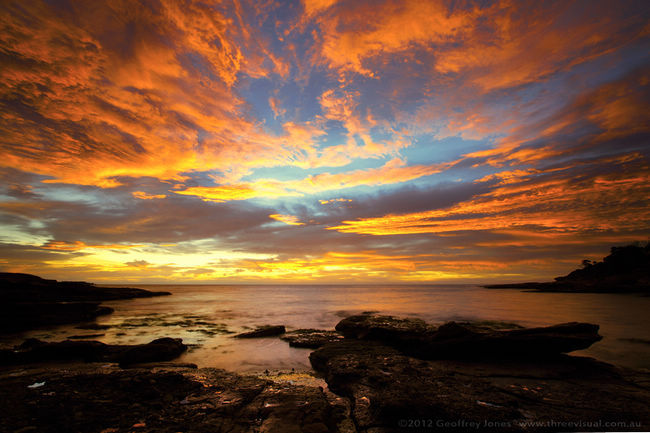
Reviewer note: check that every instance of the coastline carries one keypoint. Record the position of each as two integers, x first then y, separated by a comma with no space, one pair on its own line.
557,287
380,374
372,373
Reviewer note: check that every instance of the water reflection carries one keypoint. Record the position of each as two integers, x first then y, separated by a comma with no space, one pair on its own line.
207,316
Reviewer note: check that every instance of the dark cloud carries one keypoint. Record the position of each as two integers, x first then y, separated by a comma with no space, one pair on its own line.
13,254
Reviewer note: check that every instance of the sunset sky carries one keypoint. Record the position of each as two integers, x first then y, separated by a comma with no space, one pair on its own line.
321,141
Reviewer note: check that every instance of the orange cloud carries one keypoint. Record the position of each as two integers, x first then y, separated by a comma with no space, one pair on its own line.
109,112
274,103
287,219
131,105
613,110
78,245
373,266
335,200
342,105
497,45
394,171
220,193
313,7
349,38
144,196
559,205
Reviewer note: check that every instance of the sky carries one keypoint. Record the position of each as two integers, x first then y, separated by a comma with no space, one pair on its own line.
321,141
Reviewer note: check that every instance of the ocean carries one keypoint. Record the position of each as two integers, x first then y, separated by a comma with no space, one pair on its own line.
207,316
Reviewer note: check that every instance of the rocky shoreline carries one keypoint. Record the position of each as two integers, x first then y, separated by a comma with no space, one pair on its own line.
574,287
372,374
403,373
380,374
101,398
30,302
36,351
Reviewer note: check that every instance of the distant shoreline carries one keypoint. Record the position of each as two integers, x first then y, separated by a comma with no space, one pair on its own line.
553,287
625,270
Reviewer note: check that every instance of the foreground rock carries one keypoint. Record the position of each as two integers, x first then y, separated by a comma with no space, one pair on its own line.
389,328
311,338
162,349
389,390
625,270
28,301
205,400
263,331
466,341
406,375
36,351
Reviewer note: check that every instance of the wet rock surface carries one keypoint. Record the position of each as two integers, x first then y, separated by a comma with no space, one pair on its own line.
161,349
29,302
468,341
311,338
387,389
160,400
37,351
263,331
388,328
390,389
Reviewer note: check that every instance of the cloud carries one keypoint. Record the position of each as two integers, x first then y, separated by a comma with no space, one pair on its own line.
494,45
130,90
287,219
91,100
335,200
393,171
144,196
138,264
549,202
220,194
78,245
391,141
349,38
593,121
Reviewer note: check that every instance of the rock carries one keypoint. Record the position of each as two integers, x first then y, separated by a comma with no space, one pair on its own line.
33,350
263,331
17,316
387,328
30,288
467,341
37,351
350,351
29,302
453,340
310,338
162,349
205,400
387,387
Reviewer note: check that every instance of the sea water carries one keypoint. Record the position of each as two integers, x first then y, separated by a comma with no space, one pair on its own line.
207,317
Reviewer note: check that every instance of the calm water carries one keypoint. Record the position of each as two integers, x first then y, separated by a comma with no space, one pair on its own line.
206,316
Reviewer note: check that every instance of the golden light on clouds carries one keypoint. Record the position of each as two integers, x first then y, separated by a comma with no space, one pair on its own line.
287,219
321,140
